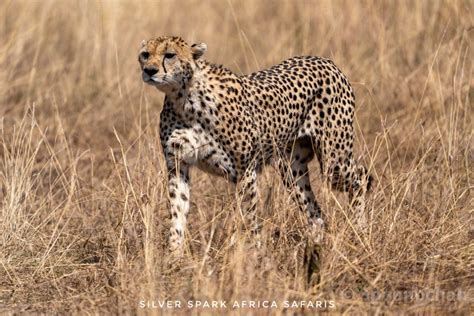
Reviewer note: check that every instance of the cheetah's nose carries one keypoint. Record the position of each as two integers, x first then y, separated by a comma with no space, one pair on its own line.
150,71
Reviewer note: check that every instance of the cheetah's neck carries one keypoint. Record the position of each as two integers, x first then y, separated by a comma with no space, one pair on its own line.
199,98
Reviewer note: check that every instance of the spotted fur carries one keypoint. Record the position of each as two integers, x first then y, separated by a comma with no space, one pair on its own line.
231,126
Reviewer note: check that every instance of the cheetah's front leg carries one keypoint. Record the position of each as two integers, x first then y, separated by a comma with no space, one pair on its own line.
178,189
181,151
247,191
183,145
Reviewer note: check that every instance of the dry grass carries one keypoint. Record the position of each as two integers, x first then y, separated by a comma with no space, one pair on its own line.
83,214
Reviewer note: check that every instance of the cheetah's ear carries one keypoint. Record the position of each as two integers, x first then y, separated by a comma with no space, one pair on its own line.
143,43
198,50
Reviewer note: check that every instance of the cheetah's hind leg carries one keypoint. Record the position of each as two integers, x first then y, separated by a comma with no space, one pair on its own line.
358,193
293,168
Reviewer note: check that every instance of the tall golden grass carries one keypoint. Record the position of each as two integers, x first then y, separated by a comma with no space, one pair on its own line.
83,210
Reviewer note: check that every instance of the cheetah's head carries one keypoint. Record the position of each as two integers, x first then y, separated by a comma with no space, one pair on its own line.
168,62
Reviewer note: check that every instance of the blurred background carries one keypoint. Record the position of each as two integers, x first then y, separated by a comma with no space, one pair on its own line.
83,211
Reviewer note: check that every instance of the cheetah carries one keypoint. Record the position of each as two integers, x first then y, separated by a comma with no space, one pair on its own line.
233,125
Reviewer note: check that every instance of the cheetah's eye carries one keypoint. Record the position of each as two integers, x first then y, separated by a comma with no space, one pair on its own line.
169,55
145,55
